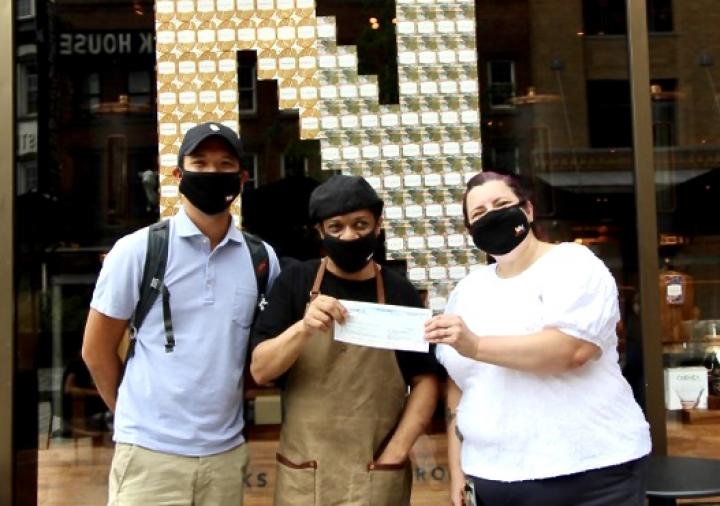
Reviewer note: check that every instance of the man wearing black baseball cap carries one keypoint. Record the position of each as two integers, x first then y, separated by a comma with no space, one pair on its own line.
348,422
212,178
179,410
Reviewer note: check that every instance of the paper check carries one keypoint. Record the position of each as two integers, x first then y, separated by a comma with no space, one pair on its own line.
384,326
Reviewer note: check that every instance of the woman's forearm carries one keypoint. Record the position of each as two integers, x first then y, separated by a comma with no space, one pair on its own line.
454,443
547,352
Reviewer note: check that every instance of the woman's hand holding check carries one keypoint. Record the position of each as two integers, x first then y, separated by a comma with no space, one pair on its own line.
451,329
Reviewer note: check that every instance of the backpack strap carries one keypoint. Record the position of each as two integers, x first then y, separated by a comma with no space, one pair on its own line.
261,267
152,284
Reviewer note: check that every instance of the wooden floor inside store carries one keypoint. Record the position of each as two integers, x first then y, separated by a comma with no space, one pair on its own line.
74,472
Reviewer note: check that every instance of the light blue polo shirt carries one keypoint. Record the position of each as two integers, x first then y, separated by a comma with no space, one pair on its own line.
188,402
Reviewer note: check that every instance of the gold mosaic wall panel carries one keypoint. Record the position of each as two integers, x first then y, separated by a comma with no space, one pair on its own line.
417,154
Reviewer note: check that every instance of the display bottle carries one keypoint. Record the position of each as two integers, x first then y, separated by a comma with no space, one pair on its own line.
677,302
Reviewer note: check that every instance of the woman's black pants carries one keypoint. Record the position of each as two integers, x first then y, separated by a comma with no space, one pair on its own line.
619,485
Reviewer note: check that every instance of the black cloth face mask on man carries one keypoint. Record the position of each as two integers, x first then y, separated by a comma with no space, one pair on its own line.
500,231
211,192
351,256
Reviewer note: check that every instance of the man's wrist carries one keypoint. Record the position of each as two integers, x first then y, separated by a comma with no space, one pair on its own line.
302,331
393,455
477,348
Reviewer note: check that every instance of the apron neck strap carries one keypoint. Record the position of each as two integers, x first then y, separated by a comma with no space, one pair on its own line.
318,279
379,283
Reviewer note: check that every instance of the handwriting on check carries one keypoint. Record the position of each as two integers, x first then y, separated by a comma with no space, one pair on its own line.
384,326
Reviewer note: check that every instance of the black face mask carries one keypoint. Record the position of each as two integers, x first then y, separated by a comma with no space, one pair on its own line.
351,256
500,231
211,192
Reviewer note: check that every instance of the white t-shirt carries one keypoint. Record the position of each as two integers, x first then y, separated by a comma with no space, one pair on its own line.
188,402
522,426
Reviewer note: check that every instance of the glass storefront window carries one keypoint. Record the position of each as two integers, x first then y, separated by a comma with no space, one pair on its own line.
553,94
569,132
86,153
686,115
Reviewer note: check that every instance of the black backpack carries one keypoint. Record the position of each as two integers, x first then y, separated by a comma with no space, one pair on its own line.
153,277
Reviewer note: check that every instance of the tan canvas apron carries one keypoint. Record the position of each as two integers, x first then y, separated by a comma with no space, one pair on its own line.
342,403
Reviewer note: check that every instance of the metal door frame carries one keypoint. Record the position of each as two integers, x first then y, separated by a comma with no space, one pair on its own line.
7,297
646,209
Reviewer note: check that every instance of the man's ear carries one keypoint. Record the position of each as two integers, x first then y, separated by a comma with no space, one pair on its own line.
177,174
319,229
379,225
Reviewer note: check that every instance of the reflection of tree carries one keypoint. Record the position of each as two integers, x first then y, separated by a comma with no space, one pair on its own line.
377,48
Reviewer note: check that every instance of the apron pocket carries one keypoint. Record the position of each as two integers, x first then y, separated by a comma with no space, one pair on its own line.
295,482
390,484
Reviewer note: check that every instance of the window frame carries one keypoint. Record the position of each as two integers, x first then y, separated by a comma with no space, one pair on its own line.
27,176
23,89
253,179
252,88
85,97
490,83
32,12
132,94
605,18
305,161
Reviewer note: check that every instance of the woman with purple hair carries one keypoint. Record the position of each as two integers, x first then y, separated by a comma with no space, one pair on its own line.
538,410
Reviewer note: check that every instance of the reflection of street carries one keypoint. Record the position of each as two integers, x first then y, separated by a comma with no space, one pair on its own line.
84,412
80,473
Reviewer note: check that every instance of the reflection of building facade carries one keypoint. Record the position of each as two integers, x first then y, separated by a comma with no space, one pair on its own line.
27,97
91,79
557,96
415,153
554,103
556,107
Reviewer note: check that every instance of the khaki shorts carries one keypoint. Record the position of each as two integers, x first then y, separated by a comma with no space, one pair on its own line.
142,477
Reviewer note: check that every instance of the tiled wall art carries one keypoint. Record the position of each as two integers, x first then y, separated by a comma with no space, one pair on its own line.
417,154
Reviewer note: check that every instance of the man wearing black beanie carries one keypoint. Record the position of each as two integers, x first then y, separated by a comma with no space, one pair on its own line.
349,422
